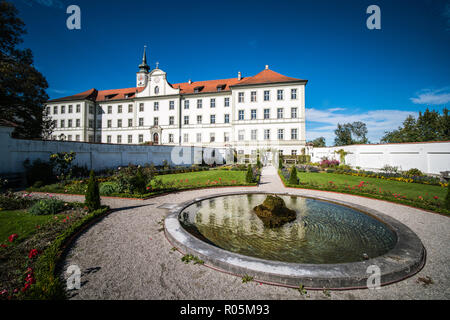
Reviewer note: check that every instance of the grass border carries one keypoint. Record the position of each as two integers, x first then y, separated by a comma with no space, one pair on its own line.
48,285
366,195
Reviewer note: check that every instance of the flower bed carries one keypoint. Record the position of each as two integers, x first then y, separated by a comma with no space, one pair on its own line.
427,198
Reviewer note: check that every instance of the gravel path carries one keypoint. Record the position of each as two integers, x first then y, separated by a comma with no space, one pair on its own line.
126,255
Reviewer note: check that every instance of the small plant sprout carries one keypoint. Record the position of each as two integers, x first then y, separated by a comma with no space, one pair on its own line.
246,278
189,257
326,292
302,290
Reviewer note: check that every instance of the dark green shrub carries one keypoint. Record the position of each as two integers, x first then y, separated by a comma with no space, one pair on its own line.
447,198
47,206
258,162
138,183
38,171
11,201
92,197
414,172
293,179
249,176
107,188
280,162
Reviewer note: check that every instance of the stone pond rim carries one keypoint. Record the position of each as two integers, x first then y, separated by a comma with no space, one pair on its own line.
404,260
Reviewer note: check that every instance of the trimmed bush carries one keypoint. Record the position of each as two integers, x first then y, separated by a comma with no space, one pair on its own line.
107,188
47,206
447,198
249,176
414,172
293,179
92,198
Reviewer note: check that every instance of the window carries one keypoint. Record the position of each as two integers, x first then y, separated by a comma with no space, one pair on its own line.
294,135
99,123
98,138
91,138
280,134
130,138
171,120
226,136
155,121
119,139
212,137
78,108
280,152
77,123
47,111
141,122
279,94
130,108
171,105
156,90
141,107
69,123
186,119
253,114
266,113
266,134
77,137
199,119
155,106
108,139
130,122
91,124
62,123
63,109
241,115
109,109
199,103
253,96
212,118
266,95
199,137
186,104
186,137
226,102
99,110
254,133
212,103
170,137
227,118
293,113
69,137
55,110
109,124
293,94
241,134
119,123
91,109
70,109
240,97
119,109
141,138
294,152
55,123
280,113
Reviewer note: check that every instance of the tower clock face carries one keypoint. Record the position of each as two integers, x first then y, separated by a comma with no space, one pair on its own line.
156,79
141,79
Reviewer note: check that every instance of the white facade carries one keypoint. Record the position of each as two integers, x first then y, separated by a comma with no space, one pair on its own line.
247,114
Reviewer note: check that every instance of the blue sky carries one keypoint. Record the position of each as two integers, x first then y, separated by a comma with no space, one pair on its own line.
355,74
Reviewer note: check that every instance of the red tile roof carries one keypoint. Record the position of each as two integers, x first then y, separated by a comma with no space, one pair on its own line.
266,76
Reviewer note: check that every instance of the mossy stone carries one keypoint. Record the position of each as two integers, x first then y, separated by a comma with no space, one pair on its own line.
274,213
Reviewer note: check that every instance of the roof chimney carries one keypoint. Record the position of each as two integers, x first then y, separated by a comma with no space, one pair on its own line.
267,66
190,81
239,76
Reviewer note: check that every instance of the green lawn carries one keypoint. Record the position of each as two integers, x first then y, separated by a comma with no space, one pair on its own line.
205,178
410,190
20,222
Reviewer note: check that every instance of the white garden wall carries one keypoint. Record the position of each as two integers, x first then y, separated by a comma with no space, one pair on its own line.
93,155
429,157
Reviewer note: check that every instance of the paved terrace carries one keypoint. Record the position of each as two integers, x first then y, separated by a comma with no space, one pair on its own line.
126,256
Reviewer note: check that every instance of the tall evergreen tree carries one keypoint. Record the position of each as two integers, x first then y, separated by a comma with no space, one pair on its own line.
22,87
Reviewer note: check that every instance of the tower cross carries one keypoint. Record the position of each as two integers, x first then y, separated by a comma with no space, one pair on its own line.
157,64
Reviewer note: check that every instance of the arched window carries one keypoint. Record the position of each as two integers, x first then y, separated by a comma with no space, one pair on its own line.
156,90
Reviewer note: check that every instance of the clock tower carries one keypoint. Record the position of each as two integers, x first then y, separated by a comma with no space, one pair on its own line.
142,74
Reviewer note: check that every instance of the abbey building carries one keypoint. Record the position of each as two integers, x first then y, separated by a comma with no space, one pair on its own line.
266,110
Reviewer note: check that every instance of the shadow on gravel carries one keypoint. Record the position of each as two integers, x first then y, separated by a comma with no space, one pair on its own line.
130,207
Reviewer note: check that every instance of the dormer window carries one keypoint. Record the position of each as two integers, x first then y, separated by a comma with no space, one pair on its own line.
156,90
221,87
198,89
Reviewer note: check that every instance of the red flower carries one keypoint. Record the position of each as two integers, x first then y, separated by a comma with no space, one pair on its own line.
12,237
3,245
33,253
3,292
436,197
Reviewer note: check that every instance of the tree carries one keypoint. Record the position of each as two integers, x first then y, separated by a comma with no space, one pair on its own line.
22,87
92,197
318,142
249,176
351,133
429,126
359,130
293,179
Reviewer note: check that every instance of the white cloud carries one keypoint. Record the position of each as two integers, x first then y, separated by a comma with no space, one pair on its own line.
435,97
322,123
